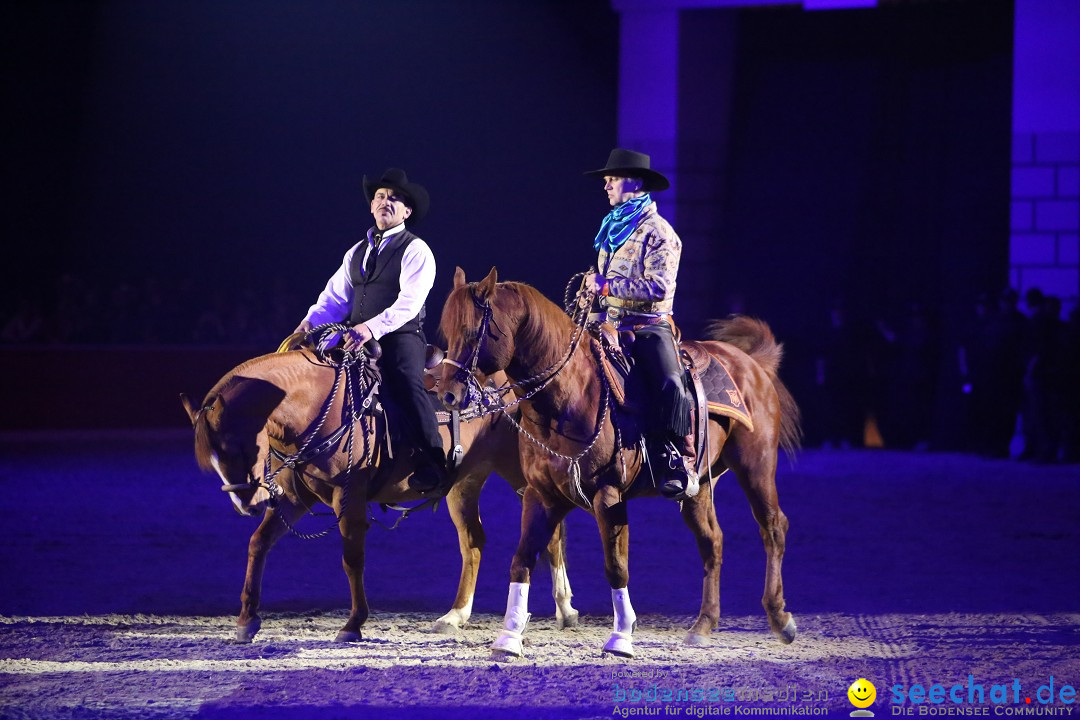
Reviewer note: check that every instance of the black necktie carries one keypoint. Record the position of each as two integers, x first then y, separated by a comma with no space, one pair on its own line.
369,264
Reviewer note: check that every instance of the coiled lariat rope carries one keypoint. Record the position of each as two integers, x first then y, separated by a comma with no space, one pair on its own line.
356,402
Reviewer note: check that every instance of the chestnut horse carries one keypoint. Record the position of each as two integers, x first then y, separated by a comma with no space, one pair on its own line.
572,455
284,401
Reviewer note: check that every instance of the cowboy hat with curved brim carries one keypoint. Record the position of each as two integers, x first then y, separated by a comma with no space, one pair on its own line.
416,196
627,163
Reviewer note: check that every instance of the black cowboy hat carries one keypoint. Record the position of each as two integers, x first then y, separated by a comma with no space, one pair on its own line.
627,163
416,196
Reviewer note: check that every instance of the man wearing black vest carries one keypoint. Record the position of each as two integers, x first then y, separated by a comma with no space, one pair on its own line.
379,291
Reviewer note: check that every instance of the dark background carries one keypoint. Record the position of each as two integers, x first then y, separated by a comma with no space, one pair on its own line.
225,142
859,160
212,154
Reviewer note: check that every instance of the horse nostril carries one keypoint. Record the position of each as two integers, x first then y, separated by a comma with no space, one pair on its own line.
449,400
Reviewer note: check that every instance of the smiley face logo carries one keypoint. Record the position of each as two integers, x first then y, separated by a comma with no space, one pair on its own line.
862,693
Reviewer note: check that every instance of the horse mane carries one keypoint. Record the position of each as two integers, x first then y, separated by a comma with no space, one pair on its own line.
755,338
545,326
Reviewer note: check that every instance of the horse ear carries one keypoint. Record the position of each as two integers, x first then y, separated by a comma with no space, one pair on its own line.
189,406
487,285
459,277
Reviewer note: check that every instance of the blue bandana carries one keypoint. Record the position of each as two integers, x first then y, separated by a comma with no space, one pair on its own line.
619,224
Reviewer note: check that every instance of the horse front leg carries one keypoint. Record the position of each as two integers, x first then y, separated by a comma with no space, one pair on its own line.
353,525
463,502
611,519
555,555
699,514
538,523
270,530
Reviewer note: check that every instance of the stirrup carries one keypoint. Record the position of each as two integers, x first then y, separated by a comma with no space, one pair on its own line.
436,480
685,485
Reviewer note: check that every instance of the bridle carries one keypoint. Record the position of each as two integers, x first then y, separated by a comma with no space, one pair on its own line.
486,400
351,378
490,400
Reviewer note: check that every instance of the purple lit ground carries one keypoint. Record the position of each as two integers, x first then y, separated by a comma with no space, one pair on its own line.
122,570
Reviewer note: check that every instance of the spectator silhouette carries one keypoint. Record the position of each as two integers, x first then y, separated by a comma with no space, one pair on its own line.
910,369
1042,388
1070,376
993,358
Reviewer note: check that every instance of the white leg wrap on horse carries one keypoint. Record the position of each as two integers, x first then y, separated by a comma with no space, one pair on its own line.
621,641
517,617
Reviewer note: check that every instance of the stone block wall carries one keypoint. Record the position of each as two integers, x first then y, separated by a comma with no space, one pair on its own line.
1045,217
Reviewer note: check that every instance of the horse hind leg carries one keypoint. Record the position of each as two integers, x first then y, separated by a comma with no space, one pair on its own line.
758,481
699,514
555,555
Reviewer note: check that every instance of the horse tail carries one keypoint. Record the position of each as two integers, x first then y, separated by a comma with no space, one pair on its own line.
755,338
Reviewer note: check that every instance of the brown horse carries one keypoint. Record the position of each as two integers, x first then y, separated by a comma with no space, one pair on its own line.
571,456
275,402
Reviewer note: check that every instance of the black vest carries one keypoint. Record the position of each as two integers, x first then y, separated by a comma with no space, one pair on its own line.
373,294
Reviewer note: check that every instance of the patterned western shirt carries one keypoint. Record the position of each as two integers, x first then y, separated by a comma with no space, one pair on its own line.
641,273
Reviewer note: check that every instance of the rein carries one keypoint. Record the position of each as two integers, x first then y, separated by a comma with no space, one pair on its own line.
357,404
491,399
574,462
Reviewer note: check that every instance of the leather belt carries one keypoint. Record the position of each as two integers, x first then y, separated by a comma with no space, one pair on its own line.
650,307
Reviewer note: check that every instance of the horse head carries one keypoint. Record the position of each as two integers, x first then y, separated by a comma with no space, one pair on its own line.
232,447
478,345
493,326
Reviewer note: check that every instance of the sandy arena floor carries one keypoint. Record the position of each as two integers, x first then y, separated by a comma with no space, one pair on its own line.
122,568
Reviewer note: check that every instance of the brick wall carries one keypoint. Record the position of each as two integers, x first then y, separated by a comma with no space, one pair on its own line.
1045,217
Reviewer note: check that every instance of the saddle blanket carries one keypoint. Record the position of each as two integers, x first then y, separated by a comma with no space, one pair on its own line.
722,394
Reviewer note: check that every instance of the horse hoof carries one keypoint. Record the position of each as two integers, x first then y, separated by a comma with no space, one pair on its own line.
620,645
787,635
246,633
508,645
442,627
695,640
348,636
569,620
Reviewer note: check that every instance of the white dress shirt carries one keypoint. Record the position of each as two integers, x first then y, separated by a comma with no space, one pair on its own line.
415,282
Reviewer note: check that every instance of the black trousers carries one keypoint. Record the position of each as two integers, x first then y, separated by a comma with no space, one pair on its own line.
402,367
655,355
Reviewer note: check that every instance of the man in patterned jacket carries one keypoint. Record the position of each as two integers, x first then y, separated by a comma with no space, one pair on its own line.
638,262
